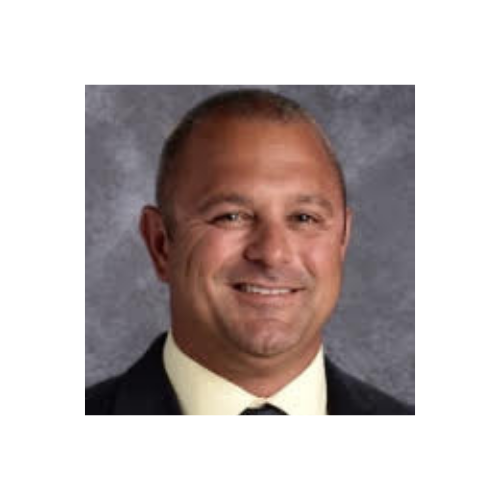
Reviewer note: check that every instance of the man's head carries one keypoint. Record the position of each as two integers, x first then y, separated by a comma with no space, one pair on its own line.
242,105
250,231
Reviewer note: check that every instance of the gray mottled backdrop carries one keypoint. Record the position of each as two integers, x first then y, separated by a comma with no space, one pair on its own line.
372,127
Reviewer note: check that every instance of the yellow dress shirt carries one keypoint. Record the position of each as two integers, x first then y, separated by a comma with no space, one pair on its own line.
203,392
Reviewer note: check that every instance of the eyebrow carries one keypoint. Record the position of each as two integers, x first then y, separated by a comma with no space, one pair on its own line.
314,199
244,201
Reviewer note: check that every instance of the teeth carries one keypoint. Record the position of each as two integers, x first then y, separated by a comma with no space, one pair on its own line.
264,291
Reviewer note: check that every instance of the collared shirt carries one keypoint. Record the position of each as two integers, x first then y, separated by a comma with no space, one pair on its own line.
203,392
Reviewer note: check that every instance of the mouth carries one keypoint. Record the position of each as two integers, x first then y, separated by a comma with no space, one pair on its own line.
265,291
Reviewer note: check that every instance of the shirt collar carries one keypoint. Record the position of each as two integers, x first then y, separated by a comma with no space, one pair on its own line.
203,392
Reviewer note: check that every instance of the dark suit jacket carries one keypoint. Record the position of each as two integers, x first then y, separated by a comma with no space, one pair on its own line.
146,390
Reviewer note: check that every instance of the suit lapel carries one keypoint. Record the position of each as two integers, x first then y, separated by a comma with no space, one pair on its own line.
343,398
145,389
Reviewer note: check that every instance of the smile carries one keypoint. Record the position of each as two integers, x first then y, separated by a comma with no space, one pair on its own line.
252,289
258,294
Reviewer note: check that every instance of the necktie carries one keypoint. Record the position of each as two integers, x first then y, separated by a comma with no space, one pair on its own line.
267,409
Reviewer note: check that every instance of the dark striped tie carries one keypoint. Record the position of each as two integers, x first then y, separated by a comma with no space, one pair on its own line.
267,409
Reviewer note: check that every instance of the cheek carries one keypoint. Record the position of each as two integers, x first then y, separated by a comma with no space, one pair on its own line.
323,261
203,255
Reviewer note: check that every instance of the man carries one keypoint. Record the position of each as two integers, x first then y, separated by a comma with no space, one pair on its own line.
250,232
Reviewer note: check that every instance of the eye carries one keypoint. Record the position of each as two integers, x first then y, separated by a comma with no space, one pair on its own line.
231,218
304,218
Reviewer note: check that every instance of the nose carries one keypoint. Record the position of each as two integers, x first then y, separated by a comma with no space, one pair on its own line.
270,245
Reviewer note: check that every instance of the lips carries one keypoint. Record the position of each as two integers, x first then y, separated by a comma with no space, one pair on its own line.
265,295
264,290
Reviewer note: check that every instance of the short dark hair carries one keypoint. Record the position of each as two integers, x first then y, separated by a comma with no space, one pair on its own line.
244,104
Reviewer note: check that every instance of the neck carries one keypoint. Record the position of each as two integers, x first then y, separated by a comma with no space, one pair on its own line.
261,376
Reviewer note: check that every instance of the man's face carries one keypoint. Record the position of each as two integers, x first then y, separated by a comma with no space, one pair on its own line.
256,259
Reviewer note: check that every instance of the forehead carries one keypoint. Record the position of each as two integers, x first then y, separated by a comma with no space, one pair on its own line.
255,154
233,137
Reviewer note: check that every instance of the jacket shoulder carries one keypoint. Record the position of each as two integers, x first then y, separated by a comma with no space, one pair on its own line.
378,402
100,398
349,395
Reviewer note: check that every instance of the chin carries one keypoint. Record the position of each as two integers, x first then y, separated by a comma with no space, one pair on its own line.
265,340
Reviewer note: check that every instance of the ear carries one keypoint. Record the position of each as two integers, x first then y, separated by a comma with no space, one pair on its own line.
155,237
347,233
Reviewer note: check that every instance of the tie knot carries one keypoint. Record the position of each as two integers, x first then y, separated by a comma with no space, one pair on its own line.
267,409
